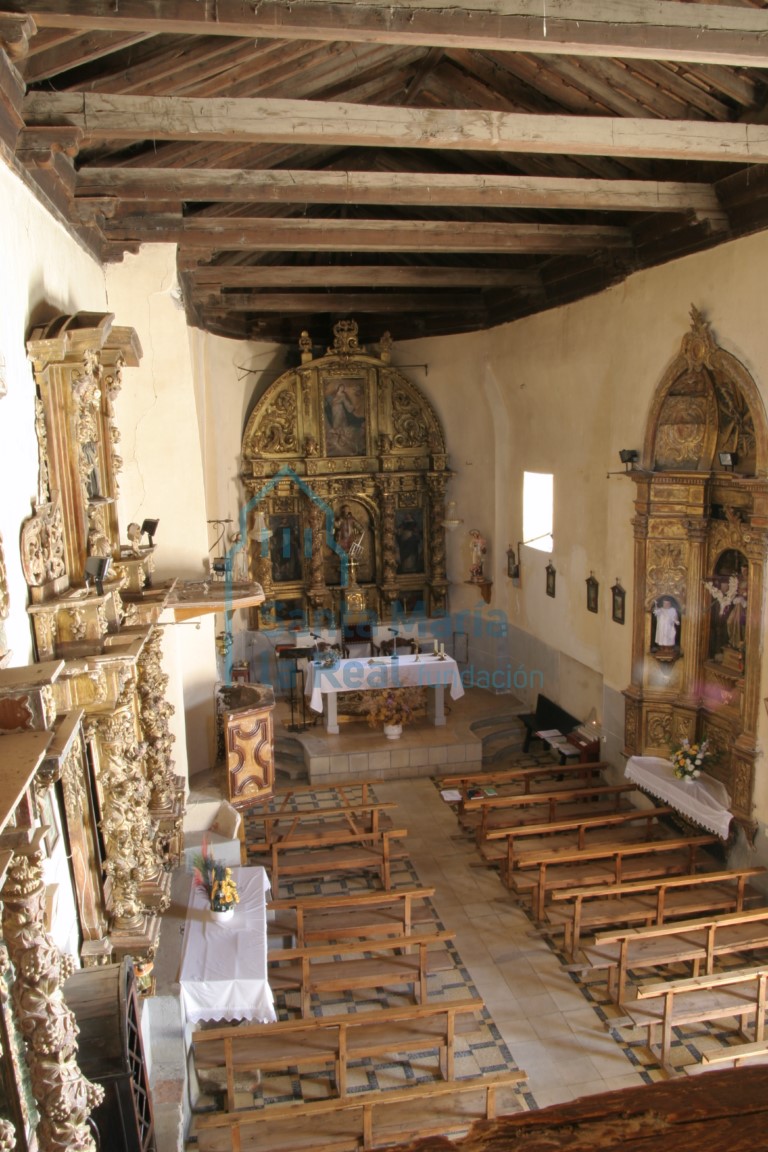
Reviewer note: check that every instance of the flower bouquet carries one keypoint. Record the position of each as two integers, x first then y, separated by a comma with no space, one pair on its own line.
395,706
214,878
688,760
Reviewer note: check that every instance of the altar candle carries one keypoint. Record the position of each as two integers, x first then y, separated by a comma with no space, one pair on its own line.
435,648
442,649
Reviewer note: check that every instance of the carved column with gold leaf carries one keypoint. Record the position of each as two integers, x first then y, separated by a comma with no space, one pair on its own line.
64,1097
166,804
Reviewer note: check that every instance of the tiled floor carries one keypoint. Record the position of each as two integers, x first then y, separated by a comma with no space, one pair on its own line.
551,1030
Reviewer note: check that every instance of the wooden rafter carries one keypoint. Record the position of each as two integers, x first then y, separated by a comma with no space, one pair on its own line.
358,276
297,186
706,33
304,235
259,121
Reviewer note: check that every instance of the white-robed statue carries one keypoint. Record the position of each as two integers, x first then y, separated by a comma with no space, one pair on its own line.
667,620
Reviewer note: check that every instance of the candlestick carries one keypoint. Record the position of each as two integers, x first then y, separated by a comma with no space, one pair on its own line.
435,648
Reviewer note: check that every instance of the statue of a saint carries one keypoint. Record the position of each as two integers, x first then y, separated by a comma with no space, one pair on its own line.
478,548
349,532
667,620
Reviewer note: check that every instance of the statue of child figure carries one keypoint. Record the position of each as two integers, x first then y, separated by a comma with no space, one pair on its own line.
667,620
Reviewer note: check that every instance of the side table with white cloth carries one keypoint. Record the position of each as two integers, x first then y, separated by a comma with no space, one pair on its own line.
224,966
703,800
381,672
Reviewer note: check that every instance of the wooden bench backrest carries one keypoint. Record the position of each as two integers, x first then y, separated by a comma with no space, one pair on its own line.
697,983
390,1099
379,944
576,823
331,839
350,900
333,1023
313,815
560,796
678,927
632,887
511,775
606,851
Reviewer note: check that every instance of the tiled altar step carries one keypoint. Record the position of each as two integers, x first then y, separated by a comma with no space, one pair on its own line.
359,753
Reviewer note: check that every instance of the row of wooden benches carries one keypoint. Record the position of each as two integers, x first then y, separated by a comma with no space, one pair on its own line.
358,941
531,810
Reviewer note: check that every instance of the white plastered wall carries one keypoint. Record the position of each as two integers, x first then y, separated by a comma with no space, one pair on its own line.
44,273
162,478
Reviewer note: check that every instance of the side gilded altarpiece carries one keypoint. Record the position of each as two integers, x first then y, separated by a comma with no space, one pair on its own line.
124,805
701,540
345,472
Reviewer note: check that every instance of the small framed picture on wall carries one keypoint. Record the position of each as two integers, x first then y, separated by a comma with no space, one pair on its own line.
618,597
551,574
593,589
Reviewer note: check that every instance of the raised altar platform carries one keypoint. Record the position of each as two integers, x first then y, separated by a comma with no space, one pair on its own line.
359,752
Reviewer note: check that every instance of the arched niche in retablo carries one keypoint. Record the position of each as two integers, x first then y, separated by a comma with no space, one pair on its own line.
700,544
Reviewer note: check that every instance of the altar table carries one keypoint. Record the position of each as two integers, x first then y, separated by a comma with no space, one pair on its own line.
704,800
383,672
224,966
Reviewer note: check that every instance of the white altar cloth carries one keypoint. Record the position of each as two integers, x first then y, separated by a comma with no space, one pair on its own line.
383,672
224,966
704,800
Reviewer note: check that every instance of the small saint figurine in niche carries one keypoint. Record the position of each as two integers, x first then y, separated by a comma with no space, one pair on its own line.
666,625
478,548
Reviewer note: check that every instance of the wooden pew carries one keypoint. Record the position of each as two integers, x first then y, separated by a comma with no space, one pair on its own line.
698,942
388,962
540,873
515,779
323,1042
368,1120
699,1000
483,814
568,834
314,796
283,827
649,901
338,852
734,1055
313,919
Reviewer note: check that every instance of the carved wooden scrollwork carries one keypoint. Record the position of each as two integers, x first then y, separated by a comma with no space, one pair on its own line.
65,1098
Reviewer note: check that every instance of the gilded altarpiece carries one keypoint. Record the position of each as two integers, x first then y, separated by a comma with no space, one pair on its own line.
123,802
701,538
344,470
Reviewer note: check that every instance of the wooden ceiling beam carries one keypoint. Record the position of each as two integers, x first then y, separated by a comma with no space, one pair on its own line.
663,30
77,52
359,276
104,117
381,302
308,235
298,186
